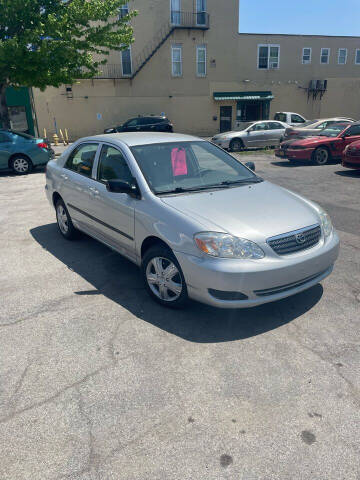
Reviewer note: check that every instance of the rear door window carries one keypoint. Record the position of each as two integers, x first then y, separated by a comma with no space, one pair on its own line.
276,126
81,160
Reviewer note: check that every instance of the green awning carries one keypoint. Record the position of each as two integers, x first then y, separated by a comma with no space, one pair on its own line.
244,96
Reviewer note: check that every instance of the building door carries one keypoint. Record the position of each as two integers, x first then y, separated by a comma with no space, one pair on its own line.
225,119
175,12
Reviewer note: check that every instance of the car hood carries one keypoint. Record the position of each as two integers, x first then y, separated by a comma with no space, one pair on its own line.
256,211
313,141
231,134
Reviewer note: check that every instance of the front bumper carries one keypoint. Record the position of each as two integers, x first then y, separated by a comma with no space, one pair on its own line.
261,281
303,154
223,143
351,161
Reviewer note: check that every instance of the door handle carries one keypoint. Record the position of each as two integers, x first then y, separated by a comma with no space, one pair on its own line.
94,190
65,177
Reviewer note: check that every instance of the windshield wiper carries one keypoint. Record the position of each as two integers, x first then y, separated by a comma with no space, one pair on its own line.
243,181
192,189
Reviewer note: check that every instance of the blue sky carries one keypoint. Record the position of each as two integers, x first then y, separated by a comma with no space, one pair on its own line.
312,17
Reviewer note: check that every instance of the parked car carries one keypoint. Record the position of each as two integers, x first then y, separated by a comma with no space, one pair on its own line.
351,156
313,128
265,133
198,222
290,118
21,152
144,124
328,145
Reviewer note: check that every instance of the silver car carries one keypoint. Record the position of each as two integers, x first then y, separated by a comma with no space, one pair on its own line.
312,128
266,133
196,221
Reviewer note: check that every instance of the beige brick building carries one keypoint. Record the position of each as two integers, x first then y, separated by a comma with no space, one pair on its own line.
189,62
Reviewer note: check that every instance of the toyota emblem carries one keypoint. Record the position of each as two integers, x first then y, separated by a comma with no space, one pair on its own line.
300,238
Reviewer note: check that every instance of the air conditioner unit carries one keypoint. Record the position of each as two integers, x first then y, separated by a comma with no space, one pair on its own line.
321,85
274,65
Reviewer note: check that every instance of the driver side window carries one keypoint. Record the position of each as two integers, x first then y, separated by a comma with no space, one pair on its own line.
259,127
113,166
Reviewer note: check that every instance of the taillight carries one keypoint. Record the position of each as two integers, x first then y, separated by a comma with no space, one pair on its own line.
42,145
292,133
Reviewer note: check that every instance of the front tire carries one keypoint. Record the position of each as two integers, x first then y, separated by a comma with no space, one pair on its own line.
64,222
321,156
163,277
21,165
236,145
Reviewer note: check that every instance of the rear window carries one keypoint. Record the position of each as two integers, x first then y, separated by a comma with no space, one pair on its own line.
23,135
281,117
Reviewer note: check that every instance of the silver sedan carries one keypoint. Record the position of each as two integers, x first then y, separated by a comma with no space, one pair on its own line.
265,133
196,221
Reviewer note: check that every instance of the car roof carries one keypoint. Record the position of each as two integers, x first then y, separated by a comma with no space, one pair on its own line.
291,113
132,139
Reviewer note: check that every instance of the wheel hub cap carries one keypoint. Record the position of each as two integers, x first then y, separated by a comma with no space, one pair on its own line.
21,165
164,279
62,219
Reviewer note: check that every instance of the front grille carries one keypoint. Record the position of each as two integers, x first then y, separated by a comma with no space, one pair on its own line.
296,241
283,288
353,152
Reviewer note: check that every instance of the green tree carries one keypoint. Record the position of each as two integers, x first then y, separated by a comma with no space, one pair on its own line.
53,42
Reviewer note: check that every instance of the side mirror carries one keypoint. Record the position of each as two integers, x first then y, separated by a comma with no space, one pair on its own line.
118,186
250,165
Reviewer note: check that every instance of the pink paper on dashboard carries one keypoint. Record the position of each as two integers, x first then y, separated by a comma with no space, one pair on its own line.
178,161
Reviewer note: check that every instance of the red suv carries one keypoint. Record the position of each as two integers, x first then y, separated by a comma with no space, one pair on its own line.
328,145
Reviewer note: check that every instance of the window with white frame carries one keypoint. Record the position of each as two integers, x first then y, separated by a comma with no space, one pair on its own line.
176,60
357,56
123,10
342,56
325,56
201,60
268,57
306,55
126,62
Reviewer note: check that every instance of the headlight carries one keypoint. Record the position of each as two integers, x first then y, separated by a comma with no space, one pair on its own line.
224,245
325,223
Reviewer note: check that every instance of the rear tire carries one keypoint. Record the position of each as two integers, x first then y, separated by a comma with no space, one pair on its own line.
163,277
236,145
64,221
21,165
321,156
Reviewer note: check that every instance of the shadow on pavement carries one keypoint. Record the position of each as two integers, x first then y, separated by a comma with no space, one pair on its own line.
348,173
286,163
118,279
10,173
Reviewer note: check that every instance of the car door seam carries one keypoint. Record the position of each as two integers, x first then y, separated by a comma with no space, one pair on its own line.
100,222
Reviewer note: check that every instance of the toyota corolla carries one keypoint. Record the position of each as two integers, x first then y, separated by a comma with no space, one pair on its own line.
196,221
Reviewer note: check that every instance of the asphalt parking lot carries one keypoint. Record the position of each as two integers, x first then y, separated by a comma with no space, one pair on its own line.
99,383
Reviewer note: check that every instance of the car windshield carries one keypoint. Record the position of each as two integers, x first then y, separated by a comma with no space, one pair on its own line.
332,131
243,126
309,122
179,167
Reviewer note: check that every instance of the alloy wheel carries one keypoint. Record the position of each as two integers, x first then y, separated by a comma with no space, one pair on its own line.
62,219
164,279
321,156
